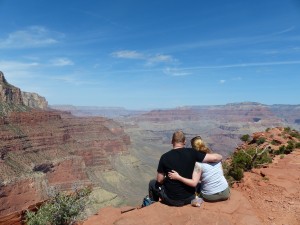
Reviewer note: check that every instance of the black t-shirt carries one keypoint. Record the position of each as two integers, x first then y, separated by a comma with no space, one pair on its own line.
182,160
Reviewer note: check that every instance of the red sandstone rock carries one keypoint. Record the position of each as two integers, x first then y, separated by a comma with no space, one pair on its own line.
29,141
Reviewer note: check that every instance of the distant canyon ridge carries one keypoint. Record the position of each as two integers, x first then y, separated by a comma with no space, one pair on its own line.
221,126
51,148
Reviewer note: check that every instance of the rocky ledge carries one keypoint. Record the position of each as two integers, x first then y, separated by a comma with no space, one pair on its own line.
265,196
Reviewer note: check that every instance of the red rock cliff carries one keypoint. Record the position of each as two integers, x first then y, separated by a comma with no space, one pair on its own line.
54,150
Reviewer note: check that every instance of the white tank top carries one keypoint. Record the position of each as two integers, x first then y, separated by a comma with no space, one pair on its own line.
212,178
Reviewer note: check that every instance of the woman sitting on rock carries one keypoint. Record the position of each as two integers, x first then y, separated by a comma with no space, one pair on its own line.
213,185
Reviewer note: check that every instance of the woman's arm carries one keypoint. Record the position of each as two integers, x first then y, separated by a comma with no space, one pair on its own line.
212,157
190,182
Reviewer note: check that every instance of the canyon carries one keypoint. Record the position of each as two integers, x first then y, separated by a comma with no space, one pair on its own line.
45,149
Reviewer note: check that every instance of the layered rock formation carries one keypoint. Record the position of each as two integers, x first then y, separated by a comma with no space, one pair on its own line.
46,151
242,112
34,100
12,95
110,112
56,149
220,126
8,93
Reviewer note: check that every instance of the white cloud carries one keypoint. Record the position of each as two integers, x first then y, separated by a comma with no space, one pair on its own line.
128,54
222,81
62,62
254,64
159,59
18,73
34,36
285,31
15,65
175,72
149,58
72,79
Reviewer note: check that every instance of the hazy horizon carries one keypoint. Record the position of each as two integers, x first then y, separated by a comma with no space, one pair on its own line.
156,108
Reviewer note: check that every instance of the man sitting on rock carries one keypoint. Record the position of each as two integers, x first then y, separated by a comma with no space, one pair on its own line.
182,160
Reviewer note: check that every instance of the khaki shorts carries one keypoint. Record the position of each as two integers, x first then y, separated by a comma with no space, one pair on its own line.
220,196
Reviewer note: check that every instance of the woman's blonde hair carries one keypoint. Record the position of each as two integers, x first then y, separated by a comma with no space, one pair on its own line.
198,144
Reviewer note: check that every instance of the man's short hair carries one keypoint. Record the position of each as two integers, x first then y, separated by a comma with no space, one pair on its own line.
178,137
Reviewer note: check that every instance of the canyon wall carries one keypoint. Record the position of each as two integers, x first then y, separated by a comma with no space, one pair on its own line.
33,100
221,126
10,94
45,151
55,151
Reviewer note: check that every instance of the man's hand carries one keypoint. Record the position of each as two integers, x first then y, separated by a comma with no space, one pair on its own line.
213,157
160,178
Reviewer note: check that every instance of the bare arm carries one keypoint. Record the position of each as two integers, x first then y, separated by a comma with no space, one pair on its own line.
190,182
213,157
160,177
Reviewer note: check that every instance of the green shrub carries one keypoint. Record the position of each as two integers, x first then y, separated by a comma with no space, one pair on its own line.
62,209
245,161
241,160
236,173
260,140
281,150
290,147
295,134
245,137
273,142
297,145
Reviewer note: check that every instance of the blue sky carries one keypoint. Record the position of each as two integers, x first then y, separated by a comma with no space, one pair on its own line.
142,54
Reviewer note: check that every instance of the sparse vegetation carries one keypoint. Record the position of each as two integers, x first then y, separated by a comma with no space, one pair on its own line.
245,137
281,150
6,108
290,147
236,173
253,157
62,209
245,160
260,140
295,134
273,142
292,132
